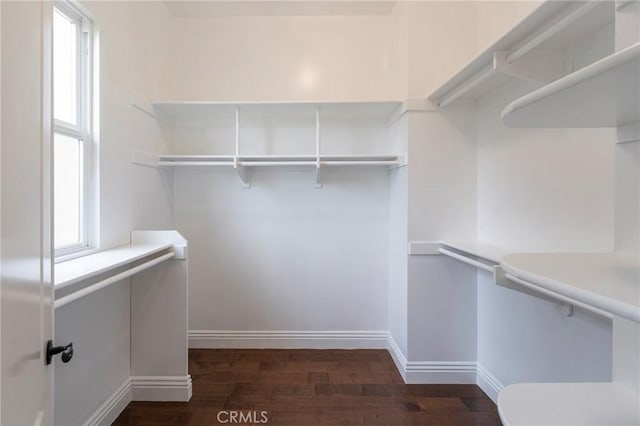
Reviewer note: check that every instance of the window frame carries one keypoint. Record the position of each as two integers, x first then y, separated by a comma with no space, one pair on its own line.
82,131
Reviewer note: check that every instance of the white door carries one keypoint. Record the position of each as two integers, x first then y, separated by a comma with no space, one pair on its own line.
26,312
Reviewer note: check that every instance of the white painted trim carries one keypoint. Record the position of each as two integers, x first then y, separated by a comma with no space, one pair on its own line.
427,372
462,372
488,383
161,388
424,248
412,105
260,339
108,412
398,357
145,159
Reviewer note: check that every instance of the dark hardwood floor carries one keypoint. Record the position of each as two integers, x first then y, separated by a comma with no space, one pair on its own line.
310,387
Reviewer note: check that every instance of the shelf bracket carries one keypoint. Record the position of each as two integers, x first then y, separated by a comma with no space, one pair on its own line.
145,159
501,278
242,172
318,184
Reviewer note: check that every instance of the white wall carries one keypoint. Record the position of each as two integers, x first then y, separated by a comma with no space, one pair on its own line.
283,58
441,40
442,205
135,64
440,302
541,190
494,18
283,255
397,298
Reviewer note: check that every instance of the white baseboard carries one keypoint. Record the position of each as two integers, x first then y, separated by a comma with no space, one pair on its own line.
488,383
220,339
398,357
441,372
431,372
112,407
161,388
141,388
412,372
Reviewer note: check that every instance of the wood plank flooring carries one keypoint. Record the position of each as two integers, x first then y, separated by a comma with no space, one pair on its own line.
310,387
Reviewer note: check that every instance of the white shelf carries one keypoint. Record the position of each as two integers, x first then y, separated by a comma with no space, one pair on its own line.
278,114
603,94
557,404
365,160
379,110
82,268
605,281
550,27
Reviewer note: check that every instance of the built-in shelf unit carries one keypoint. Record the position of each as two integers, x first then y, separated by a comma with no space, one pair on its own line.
603,94
277,135
607,282
601,88
532,50
82,276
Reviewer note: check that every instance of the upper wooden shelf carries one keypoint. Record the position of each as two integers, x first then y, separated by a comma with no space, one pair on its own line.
552,26
603,94
606,281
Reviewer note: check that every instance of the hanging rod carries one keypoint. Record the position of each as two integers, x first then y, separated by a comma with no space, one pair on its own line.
467,86
551,30
63,301
556,296
466,259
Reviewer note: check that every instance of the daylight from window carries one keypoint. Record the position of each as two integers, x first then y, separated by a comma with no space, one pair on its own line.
70,104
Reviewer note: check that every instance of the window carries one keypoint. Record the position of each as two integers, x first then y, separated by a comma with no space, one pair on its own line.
72,138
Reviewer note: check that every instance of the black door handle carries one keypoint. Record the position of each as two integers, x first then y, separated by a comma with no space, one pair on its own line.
66,351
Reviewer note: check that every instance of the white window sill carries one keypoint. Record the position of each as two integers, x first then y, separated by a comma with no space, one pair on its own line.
79,269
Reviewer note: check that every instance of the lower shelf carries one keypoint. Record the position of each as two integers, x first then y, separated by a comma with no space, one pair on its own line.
559,404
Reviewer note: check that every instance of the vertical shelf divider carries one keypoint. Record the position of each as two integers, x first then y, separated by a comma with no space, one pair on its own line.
318,174
239,168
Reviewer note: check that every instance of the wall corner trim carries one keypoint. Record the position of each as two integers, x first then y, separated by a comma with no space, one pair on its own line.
141,388
397,356
488,383
109,411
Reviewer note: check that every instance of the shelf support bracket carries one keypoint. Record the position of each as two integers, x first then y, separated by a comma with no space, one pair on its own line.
145,159
242,172
501,279
318,184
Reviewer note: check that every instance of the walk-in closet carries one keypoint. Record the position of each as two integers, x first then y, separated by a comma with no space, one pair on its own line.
320,212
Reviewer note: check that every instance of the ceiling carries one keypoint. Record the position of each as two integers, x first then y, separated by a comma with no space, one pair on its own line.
212,8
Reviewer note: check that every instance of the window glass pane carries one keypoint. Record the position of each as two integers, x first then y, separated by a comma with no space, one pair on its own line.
67,190
65,78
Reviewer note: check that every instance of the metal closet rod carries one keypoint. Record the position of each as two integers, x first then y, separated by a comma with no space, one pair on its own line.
63,301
